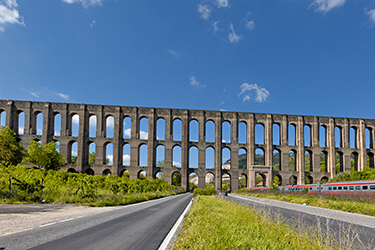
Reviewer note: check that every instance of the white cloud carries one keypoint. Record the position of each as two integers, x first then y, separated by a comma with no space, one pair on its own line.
9,14
92,23
260,94
92,121
326,5
127,133
126,160
177,164
110,121
64,96
194,82
75,119
85,3
215,26
249,24
74,153
143,135
20,130
204,11
35,94
222,3
246,98
174,53
233,37
371,14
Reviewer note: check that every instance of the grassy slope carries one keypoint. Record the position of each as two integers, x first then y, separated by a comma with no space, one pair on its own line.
217,224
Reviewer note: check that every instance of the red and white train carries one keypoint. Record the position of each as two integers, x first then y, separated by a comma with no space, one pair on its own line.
334,188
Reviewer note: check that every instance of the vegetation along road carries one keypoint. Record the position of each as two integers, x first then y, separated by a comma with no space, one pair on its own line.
344,227
137,226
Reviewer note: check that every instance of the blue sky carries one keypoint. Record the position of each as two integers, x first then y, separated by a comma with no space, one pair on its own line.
312,57
309,57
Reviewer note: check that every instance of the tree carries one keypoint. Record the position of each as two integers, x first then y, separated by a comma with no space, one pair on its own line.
11,151
45,156
92,158
160,164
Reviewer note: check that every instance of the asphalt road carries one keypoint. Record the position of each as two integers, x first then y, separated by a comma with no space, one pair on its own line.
138,226
341,226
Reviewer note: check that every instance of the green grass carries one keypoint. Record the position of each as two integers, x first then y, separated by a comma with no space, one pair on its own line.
359,205
218,224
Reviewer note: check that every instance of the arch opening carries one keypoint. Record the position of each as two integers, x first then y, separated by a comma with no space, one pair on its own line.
92,126
109,126
259,156
21,123
177,130
308,161
210,158
176,179
143,129
193,157
176,156
259,134
74,125
322,136
143,155
126,155
160,156
323,161
276,161
209,180
127,127
57,124
242,158
292,135
210,131
242,133
225,160
292,160
193,131
276,134
160,129
307,135
226,132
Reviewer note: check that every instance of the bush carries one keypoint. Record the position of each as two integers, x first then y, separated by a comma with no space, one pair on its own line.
205,191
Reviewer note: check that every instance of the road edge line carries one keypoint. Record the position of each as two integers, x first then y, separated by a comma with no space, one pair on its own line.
171,233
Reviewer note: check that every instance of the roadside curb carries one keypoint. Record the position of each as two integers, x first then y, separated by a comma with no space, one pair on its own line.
171,237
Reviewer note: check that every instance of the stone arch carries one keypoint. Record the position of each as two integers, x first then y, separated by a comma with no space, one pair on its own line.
193,130
106,172
193,180
3,118
127,127
323,136
37,123
292,134
261,180
142,155
210,131
293,180
369,137
20,122
177,129
324,179
353,137
210,158
126,154
309,179
323,161
242,132
92,125
90,171
280,179
338,137
177,156
209,180
71,170
74,125
226,158
72,154
143,128
142,174
91,150
160,129
57,124
354,161
242,181
370,160
159,175
160,155
242,158
276,138
276,160
259,133
176,178
108,153
308,161
259,156
109,126
307,135
226,132
339,162
226,181
292,160
193,157
125,173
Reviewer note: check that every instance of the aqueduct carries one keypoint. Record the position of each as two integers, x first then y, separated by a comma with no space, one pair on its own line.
309,140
